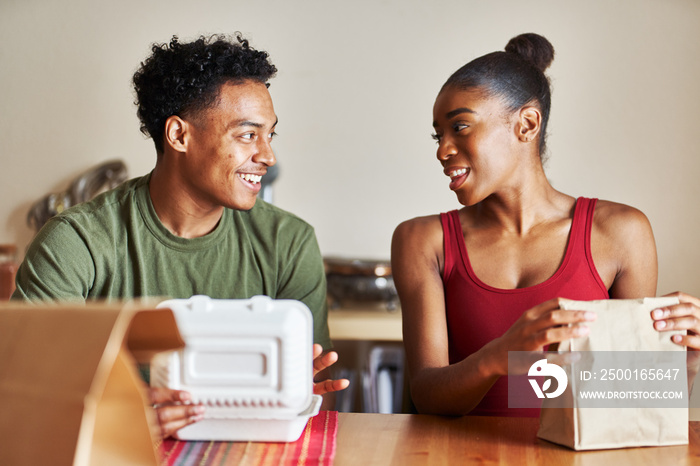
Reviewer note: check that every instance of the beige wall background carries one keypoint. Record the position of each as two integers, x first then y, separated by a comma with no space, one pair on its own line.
354,97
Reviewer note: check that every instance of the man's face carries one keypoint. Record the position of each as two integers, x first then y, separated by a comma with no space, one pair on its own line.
229,148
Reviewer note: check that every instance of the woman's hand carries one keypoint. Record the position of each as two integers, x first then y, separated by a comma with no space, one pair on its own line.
322,362
683,316
539,327
174,410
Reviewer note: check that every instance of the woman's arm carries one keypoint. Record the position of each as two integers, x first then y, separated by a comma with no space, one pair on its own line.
624,251
436,386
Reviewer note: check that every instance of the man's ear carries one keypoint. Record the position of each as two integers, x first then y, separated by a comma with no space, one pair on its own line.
176,133
529,124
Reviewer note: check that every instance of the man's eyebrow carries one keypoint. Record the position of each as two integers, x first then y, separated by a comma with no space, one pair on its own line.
455,112
239,123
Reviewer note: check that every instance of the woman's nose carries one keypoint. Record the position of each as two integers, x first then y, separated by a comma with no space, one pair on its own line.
445,150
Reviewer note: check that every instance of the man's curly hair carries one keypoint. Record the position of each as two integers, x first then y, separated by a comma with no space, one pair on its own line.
182,79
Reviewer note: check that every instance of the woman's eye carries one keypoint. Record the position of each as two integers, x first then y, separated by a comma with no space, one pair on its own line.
459,126
436,137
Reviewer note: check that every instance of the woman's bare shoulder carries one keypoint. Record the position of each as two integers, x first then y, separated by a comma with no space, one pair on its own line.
419,229
622,228
616,217
425,222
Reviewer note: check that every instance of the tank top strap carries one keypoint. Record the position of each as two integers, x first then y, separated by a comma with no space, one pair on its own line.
577,234
452,234
589,225
581,225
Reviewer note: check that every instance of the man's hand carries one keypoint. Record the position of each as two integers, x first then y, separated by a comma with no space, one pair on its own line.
174,410
321,363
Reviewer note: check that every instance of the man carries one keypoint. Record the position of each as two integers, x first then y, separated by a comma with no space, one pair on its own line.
193,225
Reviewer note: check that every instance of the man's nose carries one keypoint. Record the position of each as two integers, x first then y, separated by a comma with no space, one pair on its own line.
265,154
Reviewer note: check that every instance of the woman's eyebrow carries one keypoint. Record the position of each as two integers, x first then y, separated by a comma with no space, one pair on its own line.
455,112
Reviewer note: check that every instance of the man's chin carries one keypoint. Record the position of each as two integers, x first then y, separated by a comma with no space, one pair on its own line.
242,205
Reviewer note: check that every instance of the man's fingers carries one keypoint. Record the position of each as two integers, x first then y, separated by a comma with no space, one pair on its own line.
325,361
160,395
330,385
173,409
174,417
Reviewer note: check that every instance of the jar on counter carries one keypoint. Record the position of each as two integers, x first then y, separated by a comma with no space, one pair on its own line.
8,270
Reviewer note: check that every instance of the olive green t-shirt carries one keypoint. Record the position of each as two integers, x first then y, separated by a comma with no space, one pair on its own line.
115,247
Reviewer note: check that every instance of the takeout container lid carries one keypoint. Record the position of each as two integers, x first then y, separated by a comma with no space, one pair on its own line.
249,361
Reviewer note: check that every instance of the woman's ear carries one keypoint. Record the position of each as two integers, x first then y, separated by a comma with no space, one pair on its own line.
529,124
176,132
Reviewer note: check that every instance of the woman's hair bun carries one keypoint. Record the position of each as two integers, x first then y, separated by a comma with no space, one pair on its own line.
532,48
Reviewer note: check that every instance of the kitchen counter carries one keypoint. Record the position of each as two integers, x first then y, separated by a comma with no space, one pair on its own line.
408,439
365,324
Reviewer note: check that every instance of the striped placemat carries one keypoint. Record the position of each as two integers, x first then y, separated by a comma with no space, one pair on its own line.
316,446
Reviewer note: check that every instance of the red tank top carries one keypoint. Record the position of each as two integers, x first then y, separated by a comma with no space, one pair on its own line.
478,313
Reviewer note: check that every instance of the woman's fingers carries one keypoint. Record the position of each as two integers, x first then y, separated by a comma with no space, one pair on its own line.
691,341
548,314
547,323
684,298
558,334
683,316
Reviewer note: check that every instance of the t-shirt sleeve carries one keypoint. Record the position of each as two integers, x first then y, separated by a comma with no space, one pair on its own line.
58,265
304,279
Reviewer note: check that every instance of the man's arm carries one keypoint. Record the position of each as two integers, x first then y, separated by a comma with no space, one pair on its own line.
58,266
305,280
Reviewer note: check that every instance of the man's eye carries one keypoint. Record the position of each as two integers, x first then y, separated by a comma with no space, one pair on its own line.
248,136
272,135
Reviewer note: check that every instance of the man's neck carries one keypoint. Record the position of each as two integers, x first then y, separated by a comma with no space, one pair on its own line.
177,210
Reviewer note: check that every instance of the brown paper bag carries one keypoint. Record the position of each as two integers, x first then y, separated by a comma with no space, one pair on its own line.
70,393
621,326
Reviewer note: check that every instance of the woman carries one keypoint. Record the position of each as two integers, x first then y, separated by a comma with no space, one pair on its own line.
484,280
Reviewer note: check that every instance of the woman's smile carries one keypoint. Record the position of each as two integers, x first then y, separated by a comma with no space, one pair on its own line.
457,176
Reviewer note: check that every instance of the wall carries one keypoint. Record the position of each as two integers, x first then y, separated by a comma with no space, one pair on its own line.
354,96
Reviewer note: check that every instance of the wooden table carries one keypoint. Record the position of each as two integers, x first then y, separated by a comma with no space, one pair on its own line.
407,439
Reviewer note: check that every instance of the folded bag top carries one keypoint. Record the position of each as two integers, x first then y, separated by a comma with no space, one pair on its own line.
621,325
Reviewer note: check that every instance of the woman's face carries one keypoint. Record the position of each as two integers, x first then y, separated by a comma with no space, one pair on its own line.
477,142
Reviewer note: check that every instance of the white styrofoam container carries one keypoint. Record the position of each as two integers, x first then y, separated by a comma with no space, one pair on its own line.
249,361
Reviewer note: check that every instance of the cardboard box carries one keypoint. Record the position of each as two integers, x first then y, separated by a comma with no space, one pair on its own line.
70,392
